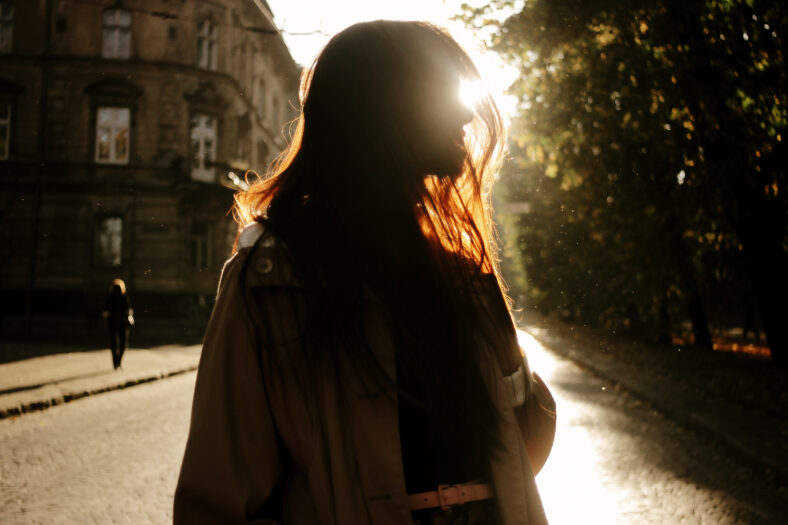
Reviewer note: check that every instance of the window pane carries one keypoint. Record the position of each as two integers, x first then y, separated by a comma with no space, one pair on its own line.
117,18
102,143
123,18
203,147
112,134
108,46
124,43
211,55
206,45
116,34
104,117
201,56
122,146
121,117
209,153
196,154
110,240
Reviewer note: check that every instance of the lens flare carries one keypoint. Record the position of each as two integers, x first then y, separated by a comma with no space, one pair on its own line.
471,92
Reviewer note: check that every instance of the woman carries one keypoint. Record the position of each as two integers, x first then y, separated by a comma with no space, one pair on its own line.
360,353
119,316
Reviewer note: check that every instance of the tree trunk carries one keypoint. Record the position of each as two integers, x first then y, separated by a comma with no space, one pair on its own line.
761,224
697,313
768,268
664,319
695,307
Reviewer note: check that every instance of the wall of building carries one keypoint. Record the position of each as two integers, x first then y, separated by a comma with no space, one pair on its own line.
56,196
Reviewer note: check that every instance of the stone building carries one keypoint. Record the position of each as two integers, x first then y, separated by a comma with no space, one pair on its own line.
124,128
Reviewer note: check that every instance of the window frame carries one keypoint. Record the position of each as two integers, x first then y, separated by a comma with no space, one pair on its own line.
119,31
112,143
207,45
99,260
203,172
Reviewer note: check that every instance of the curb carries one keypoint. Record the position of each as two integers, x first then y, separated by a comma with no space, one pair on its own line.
696,422
67,397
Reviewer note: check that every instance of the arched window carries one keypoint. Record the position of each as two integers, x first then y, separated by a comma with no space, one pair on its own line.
113,103
206,45
117,34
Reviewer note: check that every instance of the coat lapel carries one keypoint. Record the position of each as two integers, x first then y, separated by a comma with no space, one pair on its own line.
375,429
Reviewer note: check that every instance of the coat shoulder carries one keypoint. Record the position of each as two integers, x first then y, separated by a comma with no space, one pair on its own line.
266,260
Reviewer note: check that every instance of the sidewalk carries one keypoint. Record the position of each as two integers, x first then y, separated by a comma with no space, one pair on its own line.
41,382
738,401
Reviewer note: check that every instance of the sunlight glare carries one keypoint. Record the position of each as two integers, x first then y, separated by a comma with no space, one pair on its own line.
496,75
575,465
540,360
471,92
309,24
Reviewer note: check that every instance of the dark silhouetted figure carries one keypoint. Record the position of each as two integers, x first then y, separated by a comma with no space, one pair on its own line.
361,366
120,317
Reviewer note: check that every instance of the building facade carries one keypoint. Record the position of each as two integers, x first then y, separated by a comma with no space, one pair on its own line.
125,128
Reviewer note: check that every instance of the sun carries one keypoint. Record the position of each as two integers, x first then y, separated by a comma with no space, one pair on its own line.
496,77
471,92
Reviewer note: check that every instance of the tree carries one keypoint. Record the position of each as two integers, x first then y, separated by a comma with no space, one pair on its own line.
652,138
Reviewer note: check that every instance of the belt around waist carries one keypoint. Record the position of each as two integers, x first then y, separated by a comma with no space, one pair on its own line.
449,495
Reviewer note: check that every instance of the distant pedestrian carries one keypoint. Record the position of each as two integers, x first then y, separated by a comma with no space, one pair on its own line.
120,317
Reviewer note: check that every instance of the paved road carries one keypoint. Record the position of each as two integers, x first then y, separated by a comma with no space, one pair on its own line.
109,458
114,458
616,461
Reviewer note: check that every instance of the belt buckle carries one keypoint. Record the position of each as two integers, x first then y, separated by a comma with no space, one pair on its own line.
443,497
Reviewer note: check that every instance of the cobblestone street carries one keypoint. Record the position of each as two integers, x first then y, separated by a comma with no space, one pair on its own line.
109,458
114,458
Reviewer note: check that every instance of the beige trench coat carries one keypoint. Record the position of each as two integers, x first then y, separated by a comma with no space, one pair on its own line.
327,450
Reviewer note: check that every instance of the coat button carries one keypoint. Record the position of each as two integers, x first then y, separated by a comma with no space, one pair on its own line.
264,265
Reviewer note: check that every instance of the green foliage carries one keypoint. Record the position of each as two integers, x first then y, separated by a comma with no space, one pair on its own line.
650,148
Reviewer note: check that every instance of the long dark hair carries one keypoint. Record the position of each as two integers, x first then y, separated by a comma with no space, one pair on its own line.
380,195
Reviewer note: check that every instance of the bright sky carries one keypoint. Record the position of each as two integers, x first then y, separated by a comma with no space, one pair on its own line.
330,17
